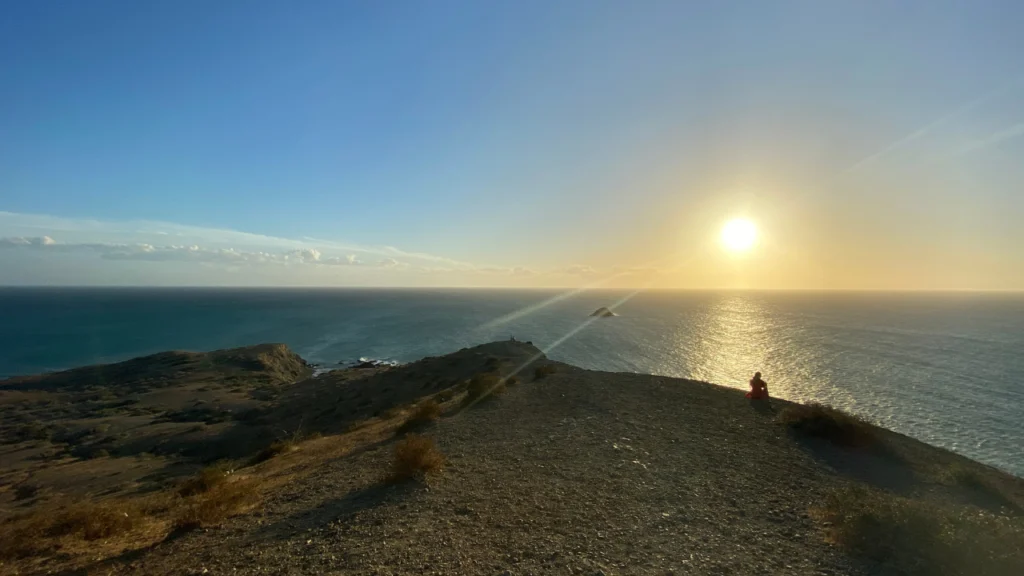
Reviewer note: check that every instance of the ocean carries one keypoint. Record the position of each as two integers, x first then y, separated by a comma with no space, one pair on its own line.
943,368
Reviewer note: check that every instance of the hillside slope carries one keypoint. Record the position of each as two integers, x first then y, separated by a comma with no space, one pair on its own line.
570,471
584,472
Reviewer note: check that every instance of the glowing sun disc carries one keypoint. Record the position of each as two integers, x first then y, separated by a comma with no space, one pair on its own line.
739,235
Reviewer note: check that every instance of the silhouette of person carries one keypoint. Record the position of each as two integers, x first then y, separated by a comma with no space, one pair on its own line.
758,388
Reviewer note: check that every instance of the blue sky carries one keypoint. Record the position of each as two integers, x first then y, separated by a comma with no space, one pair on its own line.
875,144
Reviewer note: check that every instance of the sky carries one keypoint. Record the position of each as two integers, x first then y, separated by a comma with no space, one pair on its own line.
874,144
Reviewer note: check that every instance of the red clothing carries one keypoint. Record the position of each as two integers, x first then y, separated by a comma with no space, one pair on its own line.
758,389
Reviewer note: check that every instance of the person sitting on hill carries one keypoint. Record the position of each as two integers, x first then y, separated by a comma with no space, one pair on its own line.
758,388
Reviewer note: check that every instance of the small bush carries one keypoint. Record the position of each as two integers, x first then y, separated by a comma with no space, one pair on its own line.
481,385
37,532
275,449
836,426
921,537
93,521
415,457
424,413
25,491
34,431
444,395
216,505
207,479
541,372
24,536
512,380
360,424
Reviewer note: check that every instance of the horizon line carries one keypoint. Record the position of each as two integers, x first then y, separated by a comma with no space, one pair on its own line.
510,288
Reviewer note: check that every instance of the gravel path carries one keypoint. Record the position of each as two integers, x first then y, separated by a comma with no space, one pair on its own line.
579,473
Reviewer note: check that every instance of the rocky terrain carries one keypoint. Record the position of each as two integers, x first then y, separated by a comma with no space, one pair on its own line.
548,469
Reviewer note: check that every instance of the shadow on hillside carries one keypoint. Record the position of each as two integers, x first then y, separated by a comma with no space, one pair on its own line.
340,510
987,498
761,407
875,465
116,564
332,403
981,488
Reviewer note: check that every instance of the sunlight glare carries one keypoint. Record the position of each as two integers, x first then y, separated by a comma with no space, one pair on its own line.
739,235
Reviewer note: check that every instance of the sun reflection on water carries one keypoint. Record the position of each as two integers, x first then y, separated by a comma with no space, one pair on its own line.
730,341
736,335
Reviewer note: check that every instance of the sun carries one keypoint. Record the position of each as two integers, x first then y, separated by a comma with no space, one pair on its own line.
739,235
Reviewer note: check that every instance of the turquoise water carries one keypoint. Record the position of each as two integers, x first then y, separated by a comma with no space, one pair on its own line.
945,368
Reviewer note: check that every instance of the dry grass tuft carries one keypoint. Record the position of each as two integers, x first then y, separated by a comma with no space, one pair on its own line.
821,421
415,457
910,536
93,521
216,505
207,479
276,449
360,424
481,386
541,372
211,497
38,532
424,413
25,491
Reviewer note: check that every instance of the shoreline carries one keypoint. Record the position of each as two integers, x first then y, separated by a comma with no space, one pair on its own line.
321,369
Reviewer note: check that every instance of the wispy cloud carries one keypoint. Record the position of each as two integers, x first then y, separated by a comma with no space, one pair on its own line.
580,270
145,241
177,253
925,130
994,139
80,230
144,252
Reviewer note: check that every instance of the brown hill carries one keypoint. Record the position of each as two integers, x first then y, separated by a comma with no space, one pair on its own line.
554,470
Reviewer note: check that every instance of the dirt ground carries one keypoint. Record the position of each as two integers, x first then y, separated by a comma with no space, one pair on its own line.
566,471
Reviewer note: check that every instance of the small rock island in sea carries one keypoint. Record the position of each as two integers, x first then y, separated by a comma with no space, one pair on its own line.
603,312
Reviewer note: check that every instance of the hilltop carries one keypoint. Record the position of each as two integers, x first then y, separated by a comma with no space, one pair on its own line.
554,470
